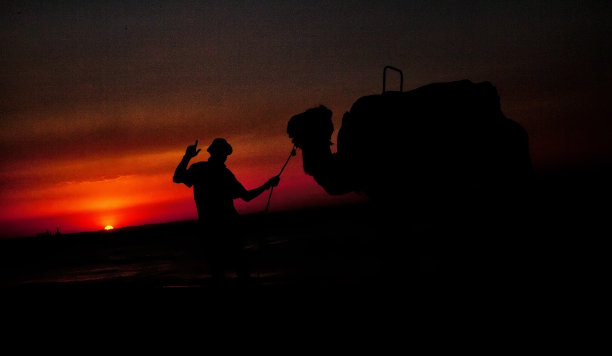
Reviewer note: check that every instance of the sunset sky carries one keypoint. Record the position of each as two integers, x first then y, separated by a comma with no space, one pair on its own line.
100,99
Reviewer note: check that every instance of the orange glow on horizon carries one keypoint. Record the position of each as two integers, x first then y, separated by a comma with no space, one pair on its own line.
137,189
108,227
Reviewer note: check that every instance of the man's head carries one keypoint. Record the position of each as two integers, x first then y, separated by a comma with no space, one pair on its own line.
219,149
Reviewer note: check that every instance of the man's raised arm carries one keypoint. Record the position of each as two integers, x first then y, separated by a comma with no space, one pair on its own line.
181,170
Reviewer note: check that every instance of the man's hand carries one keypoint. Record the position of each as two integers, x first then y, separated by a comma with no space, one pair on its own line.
273,182
192,150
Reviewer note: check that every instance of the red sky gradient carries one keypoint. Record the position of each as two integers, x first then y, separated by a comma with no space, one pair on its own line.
99,101
144,193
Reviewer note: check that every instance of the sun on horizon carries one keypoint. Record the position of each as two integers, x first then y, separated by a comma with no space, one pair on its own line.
108,227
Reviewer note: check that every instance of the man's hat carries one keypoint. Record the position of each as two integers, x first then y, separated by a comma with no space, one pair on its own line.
220,146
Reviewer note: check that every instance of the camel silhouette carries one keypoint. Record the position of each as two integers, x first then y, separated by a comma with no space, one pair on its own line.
447,171
427,142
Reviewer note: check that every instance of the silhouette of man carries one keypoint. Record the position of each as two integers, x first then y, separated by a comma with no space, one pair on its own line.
214,188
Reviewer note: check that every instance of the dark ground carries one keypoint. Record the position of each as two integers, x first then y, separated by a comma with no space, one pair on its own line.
315,246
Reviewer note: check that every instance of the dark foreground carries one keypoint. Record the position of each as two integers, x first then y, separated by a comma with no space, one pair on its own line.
327,247
323,246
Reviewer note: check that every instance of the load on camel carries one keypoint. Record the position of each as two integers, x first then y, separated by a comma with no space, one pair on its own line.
429,150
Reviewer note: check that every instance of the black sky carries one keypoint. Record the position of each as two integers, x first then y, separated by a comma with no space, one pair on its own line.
115,75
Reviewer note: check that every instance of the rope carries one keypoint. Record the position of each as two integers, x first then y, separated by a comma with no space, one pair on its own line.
293,153
261,242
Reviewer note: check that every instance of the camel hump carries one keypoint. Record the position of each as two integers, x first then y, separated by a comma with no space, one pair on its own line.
432,128
437,101
437,112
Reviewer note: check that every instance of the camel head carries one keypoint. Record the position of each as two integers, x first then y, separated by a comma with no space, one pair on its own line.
311,131
312,127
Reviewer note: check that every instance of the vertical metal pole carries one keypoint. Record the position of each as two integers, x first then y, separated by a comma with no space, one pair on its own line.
385,78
